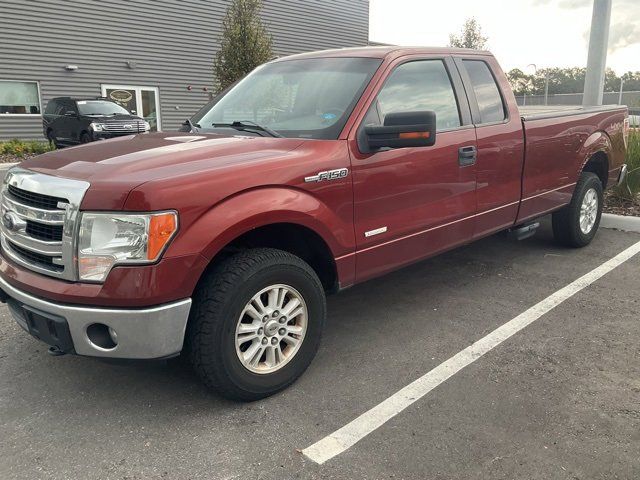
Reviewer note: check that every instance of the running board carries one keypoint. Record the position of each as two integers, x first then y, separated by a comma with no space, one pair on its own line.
523,231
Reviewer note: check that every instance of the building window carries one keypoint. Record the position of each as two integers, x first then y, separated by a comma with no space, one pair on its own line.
19,98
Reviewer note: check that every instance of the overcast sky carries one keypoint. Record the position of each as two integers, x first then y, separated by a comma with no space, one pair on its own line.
548,33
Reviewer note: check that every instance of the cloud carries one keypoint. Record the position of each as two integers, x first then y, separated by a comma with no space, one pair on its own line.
623,33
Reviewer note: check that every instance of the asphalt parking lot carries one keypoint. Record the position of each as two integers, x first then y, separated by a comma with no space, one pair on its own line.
559,399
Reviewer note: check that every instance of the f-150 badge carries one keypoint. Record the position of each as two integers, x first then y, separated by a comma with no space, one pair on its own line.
328,175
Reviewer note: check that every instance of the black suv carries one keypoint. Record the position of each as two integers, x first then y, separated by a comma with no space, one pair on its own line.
70,121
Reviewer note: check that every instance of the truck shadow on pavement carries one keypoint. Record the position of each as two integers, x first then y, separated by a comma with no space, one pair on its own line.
427,306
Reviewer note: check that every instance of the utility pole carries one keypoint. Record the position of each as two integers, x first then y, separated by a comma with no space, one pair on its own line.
546,88
620,95
597,58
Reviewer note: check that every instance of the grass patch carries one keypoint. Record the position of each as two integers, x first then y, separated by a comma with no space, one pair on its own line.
20,148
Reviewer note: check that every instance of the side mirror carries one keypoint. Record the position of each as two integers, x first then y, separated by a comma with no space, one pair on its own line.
70,113
402,129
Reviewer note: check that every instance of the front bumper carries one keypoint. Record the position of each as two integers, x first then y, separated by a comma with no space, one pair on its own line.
142,333
102,135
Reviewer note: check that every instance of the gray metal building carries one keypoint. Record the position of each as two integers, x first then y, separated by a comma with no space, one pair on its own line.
154,56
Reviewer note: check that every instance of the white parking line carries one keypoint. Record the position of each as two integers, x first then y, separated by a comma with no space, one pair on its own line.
345,437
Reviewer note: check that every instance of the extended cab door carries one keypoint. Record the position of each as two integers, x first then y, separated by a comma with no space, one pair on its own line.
410,203
500,142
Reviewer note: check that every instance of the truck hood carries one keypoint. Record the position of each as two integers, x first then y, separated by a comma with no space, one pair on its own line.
119,165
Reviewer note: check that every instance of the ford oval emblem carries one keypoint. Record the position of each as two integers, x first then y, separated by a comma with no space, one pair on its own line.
7,221
128,126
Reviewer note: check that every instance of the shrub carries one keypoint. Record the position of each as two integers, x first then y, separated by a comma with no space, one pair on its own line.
20,148
631,186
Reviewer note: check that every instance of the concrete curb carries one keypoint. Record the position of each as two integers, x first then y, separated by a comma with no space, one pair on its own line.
620,222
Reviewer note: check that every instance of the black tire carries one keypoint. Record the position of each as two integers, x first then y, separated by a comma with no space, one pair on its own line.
85,137
217,304
52,139
566,222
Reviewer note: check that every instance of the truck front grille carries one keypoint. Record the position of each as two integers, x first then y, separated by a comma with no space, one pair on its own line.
38,221
37,200
125,126
50,233
38,259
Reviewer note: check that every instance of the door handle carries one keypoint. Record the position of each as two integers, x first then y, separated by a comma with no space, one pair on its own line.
467,156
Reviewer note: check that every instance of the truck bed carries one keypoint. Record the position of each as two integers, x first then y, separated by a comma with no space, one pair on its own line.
534,112
558,142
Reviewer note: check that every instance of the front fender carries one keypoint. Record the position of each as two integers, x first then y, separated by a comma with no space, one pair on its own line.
236,215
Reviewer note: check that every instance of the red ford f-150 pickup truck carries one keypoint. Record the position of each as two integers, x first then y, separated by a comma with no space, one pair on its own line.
313,173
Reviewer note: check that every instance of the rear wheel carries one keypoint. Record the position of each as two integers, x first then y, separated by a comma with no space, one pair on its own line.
577,223
256,323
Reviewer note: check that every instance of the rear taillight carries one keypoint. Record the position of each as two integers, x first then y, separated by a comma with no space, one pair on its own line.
625,131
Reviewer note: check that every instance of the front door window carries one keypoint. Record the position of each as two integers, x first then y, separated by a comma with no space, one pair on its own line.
141,101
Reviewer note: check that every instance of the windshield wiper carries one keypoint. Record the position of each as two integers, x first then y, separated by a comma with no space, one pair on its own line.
248,126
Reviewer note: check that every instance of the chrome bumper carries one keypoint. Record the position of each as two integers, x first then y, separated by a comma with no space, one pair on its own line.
144,333
623,174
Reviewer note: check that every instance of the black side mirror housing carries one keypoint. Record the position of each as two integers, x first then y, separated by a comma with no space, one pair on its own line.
401,129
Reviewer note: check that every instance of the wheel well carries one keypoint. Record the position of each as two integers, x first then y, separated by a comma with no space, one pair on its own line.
295,239
598,164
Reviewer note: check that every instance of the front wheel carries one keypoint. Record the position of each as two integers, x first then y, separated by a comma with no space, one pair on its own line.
52,139
577,223
256,323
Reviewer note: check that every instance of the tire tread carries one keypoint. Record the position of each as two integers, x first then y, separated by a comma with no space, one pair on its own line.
206,323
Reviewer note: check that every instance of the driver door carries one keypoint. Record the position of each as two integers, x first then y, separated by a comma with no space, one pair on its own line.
410,203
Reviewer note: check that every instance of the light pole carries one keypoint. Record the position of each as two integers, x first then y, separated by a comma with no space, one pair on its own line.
546,87
546,81
597,57
535,72
620,94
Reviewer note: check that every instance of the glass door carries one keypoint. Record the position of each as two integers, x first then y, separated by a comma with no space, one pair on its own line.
141,101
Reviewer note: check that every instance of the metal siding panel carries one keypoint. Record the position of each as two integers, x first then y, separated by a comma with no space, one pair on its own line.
173,44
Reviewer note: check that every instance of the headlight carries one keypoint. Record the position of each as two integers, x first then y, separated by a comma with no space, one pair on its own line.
108,239
96,127
147,126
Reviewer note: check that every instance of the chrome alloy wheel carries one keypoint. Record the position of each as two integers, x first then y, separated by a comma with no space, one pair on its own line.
271,329
588,211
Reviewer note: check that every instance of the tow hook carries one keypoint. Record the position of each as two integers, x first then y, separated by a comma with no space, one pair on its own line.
55,352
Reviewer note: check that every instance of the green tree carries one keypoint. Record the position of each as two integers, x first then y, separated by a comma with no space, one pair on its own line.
245,43
470,36
567,80
521,83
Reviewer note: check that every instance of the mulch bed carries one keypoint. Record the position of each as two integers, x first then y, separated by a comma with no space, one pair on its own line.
13,158
621,206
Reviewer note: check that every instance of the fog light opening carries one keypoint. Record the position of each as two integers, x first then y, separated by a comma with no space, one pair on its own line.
102,336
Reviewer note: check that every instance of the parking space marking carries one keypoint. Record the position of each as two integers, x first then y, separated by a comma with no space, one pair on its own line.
347,436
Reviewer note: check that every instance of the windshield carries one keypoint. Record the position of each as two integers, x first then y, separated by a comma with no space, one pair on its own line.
310,98
100,107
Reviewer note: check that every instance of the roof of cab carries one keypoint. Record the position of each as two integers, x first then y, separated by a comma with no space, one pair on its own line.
382,52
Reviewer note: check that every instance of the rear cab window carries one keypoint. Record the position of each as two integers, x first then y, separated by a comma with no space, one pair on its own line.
490,103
